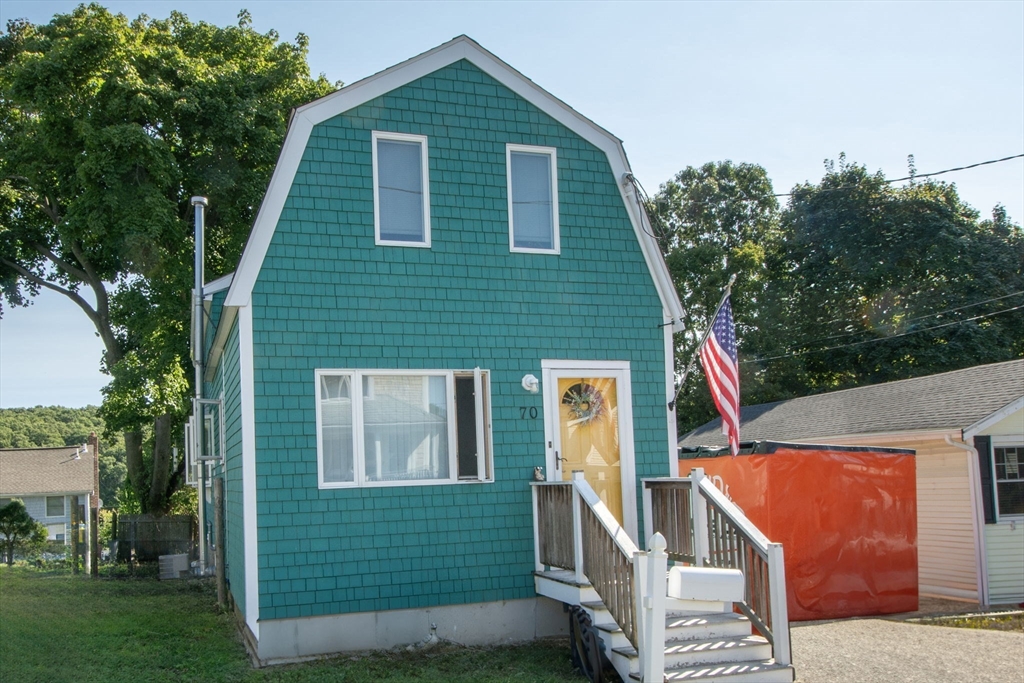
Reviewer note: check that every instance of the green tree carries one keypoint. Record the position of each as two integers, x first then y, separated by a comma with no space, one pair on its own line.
884,283
19,530
107,127
715,221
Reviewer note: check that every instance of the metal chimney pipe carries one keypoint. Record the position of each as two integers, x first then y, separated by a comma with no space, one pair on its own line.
200,204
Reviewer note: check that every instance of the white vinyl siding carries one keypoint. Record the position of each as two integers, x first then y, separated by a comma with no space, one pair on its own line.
401,190
532,177
1004,550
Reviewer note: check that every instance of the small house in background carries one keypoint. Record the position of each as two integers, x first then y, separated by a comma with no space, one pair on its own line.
967,428
51,481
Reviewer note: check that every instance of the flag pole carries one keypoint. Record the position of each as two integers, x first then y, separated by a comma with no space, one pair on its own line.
704,338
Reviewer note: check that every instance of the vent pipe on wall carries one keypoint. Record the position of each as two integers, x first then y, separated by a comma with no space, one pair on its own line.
200,204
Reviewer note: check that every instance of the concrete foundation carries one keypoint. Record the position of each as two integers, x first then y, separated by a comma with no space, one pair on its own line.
484,623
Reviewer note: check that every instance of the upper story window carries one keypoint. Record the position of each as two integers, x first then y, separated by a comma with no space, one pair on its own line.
532,199
1009,479
401,189
55,506
402,427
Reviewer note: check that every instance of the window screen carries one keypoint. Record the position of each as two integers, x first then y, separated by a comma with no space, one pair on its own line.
400,202
55,506
533,225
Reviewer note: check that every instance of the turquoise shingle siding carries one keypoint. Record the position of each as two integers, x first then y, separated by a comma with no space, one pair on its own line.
234,546
328,297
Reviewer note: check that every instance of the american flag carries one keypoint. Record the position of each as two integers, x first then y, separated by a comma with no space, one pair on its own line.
718,356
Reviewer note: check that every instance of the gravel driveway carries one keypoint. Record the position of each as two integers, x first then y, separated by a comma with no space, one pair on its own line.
882,651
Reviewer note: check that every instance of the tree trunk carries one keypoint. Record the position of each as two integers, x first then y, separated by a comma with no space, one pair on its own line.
161,463
136,468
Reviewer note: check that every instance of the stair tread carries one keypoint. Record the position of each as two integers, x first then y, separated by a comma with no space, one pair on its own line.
685,621
718,672
744,641
566,576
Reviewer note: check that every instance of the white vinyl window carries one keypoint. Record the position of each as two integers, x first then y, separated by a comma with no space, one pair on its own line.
402,427
401,189
55,506
532,175
1008,469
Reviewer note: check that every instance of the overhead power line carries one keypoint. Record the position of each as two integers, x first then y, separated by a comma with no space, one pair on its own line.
881,339
919,175
919,317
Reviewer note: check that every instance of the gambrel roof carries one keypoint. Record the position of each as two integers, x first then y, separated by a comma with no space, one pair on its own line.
950,400
45,471
306,117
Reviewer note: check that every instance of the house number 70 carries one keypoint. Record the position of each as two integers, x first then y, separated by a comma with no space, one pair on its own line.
531,411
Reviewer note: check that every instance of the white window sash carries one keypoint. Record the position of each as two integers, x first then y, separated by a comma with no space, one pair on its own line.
358,429
552,153
425,184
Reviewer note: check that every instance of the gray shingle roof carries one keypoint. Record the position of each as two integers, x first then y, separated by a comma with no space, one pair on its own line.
25,471
949,400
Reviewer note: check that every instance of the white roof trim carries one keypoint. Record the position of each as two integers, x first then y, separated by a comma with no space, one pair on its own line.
218,285
986,422
227,319
463,47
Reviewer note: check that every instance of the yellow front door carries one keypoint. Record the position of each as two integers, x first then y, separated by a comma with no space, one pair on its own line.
588,419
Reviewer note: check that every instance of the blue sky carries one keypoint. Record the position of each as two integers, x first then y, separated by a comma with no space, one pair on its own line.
783,85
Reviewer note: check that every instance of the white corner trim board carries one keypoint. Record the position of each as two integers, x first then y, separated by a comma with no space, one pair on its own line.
248,410
463,47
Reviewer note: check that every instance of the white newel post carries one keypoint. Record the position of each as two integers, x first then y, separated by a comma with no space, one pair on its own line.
699,510
577,528
653,660
780,610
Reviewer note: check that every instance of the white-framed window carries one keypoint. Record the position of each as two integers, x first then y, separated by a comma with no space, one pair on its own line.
401,189
532,176
1008,478
403,427
55,506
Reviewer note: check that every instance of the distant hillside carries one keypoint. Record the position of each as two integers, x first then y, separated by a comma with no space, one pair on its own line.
59,426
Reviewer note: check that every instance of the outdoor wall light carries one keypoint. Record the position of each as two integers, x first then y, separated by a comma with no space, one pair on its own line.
531,384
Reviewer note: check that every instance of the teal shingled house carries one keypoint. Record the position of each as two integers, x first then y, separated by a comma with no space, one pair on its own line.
450,291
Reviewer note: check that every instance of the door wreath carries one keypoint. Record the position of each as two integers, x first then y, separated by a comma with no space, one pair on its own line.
585,402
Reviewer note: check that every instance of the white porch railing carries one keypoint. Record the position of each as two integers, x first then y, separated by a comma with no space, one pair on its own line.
703,527
573,529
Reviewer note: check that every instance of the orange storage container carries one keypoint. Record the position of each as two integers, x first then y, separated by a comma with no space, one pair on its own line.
846,516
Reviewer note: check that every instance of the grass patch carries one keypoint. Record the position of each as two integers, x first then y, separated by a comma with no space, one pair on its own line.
993,622
55,626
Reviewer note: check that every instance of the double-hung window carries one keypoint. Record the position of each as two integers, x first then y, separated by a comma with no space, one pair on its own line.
1009,479
532,175
401,189
55,506
400,427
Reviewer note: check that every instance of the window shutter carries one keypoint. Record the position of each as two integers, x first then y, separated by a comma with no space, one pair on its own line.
983,444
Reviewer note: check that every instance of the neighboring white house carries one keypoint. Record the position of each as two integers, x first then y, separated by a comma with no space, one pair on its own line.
967,427
49,481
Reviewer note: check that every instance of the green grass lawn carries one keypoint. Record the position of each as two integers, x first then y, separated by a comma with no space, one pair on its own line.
55,626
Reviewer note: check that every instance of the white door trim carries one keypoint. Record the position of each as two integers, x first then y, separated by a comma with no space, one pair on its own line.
551,370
